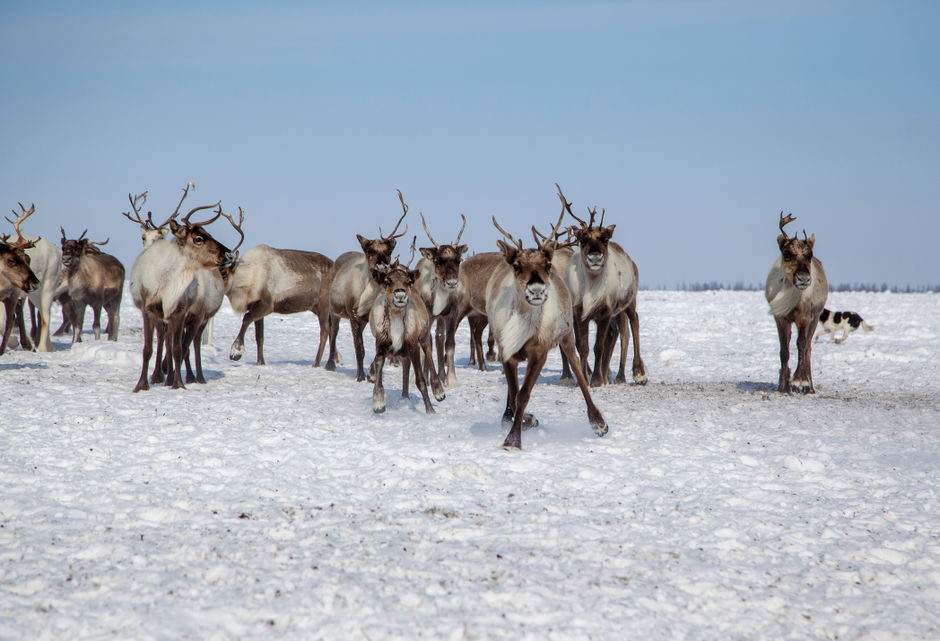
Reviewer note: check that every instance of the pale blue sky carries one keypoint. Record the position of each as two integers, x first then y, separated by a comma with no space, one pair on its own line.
693,123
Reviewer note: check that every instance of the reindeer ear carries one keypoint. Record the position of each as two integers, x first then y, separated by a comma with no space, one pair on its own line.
163,232
609,231
178,230
782,240
811,241
509,252
362,240
461,250
413,276
427,252
548,250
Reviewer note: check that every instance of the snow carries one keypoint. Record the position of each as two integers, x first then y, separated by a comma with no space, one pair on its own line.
272,503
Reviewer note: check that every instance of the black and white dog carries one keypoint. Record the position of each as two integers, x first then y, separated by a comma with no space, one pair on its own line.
831,322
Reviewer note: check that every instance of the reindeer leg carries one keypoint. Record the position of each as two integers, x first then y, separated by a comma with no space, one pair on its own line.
259,339
450,344
582,338
334,330
238,345
511,372
639,368
175,332
159,327
197,354
433,377
188,335
405,363
324,322
600,375
598,424
803,377
25,343
490,343
378,390
147,352
534,366
623,331
96,321
9,308
783,333
79,322
439,335
357,327
414,355
114,318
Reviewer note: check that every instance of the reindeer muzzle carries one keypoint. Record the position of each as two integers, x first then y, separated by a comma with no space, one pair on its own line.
451,284
381,267
400,298
802,280
594,261
32,285
536,294
229,260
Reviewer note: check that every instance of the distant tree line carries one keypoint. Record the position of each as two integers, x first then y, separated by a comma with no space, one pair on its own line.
741,286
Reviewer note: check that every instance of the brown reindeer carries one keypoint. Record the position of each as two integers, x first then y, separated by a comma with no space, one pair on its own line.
796,290
357,280
529,309
163,286
94,279
439,277
475,272
280,281
16,277
603,281
402,327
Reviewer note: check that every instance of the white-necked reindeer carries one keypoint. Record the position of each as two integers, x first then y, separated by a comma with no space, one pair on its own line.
438,281
163,285
16,277
355,285
280,281
401,325
603,281
796,290
149,232
529,309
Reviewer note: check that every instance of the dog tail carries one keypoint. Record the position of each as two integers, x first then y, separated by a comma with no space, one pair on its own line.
867,327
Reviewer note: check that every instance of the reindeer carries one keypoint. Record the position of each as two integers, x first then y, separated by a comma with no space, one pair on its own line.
355,285
603,282
439,276
529,309
94,278
163,285
475,272
402,327
16,277
796,290
211,287
281,281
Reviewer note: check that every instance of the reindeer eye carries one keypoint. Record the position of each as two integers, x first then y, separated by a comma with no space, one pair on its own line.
198,240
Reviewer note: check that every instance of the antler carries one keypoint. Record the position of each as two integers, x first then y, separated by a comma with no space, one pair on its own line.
413,241
97,242
21,243
238,227
405,208
785,221
140,198
192,211
460,233
567,207
427,231
518,243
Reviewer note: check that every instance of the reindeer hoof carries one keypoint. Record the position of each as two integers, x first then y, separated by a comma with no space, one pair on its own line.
330,366
600,429
512,444
529,421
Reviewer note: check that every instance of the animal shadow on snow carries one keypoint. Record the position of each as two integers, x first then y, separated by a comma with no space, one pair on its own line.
13,366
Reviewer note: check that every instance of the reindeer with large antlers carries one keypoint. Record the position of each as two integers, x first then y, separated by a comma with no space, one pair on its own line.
438,280
164,285
357,280
401,325
796,290
16,277
94,279
529,309
603,281
149,232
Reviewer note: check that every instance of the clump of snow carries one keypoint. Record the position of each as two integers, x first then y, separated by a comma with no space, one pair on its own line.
272,502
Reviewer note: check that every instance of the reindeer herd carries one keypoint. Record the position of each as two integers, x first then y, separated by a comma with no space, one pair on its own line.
532,299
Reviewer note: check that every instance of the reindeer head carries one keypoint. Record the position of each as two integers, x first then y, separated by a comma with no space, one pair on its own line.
796,254
592,240
74,249
379,251
532,268
196,242
149,232
397,282
445,258
14,262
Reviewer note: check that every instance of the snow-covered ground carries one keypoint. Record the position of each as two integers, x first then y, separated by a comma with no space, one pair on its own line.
271,503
